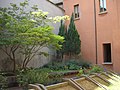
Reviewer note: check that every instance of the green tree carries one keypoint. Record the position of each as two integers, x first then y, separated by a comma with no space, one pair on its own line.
26,32
62,33
73,42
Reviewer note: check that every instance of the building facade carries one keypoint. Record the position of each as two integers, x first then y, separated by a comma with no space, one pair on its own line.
98,23
44,5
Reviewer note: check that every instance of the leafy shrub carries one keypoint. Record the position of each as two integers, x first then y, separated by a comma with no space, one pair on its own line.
77,64
72,65
55,66
55,78
68,65
84,64
3,82
80,72
96,69
33,76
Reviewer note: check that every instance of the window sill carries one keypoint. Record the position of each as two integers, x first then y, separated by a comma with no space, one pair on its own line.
77,19
104,12
107,63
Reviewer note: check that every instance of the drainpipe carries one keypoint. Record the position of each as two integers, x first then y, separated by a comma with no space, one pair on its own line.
95,32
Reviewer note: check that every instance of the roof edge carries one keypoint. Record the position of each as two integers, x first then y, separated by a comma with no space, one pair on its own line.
56,5
59,3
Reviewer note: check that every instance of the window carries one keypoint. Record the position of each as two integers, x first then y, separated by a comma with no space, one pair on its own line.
107,52
76,11
103,5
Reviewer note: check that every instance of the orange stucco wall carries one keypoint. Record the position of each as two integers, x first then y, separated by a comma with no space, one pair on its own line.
116,37
108,32
107,26
85,26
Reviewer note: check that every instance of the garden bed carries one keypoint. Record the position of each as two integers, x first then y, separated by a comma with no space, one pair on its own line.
7,80
65,74
113,75
107,77
88,85
104,76
61,86
101,81
82,82
83,79
85,83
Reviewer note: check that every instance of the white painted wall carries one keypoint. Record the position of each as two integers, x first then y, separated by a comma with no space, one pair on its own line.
45,6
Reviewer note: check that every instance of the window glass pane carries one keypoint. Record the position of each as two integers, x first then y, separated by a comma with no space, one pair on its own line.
76,8
101,3
76,11
105,4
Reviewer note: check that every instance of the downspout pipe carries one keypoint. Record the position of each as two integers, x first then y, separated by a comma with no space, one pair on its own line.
96,49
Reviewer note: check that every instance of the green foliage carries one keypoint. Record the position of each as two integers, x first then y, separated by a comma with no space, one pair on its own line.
84,64
55,66
3,82
79,63
33,76
68,65
96,69
55,78
62,29
80,72
73,42
27,31
72,65
50,73
62,33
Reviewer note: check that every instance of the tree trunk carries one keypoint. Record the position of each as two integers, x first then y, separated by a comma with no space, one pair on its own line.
14,65
70,55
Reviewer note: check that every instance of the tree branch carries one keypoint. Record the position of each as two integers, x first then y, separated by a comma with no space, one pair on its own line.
6,52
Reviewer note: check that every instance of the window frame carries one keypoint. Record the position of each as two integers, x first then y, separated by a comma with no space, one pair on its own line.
76,11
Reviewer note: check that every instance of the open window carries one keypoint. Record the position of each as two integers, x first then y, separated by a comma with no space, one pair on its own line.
107,52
